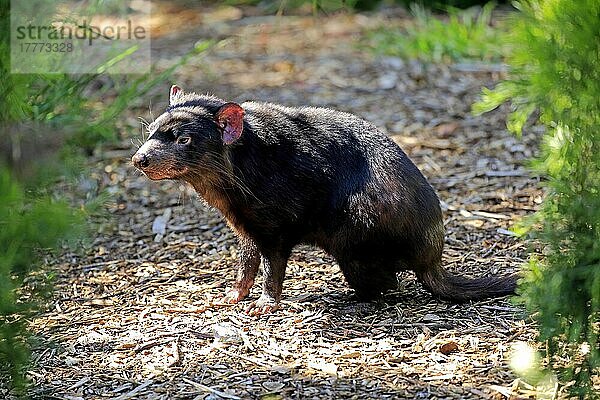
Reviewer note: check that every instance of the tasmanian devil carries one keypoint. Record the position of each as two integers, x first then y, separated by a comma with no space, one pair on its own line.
283,176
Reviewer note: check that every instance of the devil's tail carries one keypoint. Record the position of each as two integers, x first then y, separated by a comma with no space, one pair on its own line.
445,285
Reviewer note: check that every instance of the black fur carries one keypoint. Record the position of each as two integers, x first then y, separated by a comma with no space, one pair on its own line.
310,175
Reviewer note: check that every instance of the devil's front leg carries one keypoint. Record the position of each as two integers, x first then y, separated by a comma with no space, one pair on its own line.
274,264
248,263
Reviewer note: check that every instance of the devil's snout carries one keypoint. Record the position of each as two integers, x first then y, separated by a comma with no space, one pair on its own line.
140,160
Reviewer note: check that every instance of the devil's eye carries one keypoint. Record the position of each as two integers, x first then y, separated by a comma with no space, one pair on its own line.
183,140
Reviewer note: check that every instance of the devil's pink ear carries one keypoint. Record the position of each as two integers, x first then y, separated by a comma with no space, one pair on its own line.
230,119
174,93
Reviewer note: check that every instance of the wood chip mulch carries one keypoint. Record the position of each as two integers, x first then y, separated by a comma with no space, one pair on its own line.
136,314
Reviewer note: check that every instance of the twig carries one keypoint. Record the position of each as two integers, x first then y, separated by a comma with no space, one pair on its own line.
250,359
152,343
79,383
211,390
133,392
176,354
516,172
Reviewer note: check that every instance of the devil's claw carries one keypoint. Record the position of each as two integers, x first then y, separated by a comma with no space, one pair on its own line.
233,296
264,305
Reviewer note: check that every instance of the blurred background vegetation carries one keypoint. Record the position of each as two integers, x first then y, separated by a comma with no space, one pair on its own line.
551,47
50,123
463,35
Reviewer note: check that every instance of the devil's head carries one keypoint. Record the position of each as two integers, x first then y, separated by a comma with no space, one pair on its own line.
189,137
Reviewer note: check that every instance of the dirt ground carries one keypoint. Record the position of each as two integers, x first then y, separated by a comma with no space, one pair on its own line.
137,315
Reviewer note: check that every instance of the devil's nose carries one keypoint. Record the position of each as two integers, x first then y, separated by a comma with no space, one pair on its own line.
140,160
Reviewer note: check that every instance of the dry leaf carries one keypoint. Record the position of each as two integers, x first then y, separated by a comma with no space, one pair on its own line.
448,348
446,129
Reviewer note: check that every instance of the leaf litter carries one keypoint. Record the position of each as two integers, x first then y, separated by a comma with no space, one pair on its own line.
138,315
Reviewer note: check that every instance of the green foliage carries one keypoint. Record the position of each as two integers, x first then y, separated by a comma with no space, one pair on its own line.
466,34
67,102
555,68
79,112
85,106
27,225
444,4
